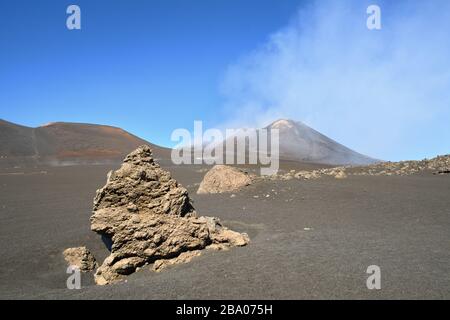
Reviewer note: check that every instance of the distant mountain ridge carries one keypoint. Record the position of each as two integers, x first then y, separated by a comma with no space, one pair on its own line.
63,143
299,142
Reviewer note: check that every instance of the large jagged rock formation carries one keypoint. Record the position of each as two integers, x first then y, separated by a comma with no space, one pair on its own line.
222,178
144,215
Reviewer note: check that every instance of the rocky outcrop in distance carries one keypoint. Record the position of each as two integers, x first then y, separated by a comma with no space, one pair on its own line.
437,165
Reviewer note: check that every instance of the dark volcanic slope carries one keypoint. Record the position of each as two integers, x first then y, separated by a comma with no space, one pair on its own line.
309,239
16,140
302,143
62,143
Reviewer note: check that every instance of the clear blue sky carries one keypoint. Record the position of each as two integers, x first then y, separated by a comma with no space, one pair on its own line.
153,66
146,66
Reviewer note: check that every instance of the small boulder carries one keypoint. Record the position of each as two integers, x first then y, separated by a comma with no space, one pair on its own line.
340,175
80,257
222,178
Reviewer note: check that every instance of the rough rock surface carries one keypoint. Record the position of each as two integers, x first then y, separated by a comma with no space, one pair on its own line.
185,257
140,184
80,257
144,215
222,178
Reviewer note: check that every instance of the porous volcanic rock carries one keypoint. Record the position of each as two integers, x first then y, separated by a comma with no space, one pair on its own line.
144,215
141,184
222,178
184,257
80,257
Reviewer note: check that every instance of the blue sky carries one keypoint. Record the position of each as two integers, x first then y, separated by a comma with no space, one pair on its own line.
153,66
146,66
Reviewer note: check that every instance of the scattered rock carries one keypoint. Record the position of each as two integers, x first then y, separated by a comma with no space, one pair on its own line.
340,175
226,238
80,257
438,165
146,216
402,168
307,175
222,178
